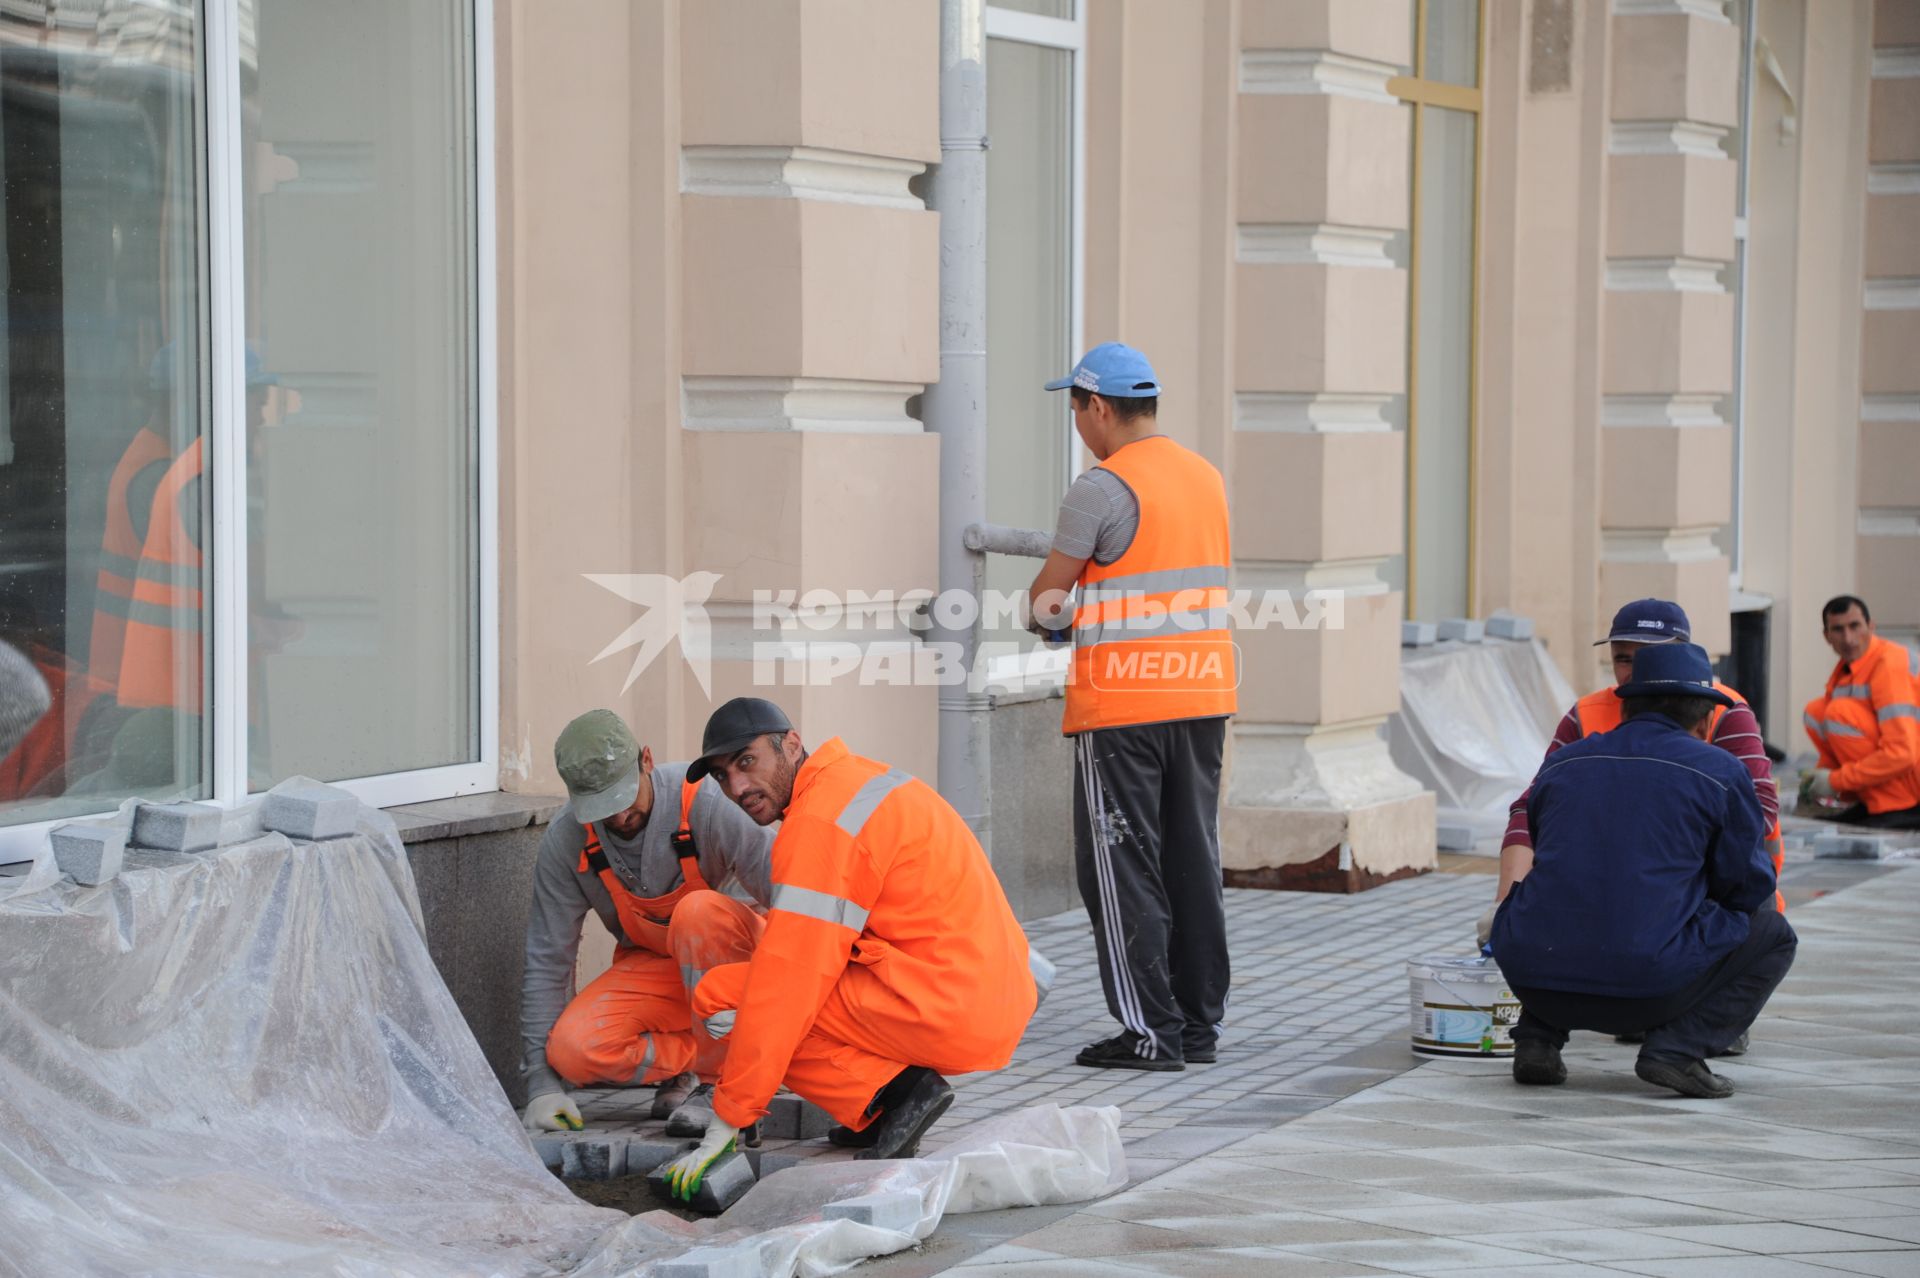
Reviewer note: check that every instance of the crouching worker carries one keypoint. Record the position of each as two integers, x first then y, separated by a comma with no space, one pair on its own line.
890,956
1645,910
643,847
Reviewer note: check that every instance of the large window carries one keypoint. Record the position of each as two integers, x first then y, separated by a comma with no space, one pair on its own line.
1032,274
242,513
1444,93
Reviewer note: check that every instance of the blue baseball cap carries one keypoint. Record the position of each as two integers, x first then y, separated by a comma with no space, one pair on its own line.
1113,369
1649,621
1673,670
160,369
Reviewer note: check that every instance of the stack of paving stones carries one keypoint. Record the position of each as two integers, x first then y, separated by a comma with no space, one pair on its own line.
621,1140
1318,1010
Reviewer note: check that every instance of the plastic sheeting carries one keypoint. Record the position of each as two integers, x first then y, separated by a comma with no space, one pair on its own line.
222,1063
1474,723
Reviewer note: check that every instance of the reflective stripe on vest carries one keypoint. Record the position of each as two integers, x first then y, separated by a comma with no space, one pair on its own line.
852,819
1152,633
1902,711
161,655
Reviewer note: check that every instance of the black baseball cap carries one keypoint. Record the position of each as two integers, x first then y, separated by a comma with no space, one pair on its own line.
735,726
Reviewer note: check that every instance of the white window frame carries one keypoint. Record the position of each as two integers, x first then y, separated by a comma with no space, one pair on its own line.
1739,269
226,318
1069,34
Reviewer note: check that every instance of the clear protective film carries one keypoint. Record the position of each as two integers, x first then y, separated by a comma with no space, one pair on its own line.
1474,723
219,1063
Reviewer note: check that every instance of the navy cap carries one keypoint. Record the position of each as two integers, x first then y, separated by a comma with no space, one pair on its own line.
1649,621
1673,670
735,726
1113,369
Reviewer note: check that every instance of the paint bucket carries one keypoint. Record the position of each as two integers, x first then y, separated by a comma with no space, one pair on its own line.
1461,1007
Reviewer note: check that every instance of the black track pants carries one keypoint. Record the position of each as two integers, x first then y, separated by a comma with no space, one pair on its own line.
1146,842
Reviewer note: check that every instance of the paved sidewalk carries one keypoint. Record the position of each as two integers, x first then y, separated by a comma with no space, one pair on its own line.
1813,1168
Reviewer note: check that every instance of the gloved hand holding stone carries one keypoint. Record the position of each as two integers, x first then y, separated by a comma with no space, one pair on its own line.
552,1112
685,1172
1820,784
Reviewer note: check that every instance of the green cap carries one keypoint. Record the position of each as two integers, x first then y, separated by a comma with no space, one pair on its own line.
600,762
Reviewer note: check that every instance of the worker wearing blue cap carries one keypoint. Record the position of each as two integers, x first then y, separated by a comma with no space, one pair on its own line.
1645,911
1143,536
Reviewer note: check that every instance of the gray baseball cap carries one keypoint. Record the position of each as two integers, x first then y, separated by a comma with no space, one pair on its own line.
600,762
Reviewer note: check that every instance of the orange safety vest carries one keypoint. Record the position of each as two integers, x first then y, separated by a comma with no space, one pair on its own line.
1867,728
1602,711
160,660
644,918
1151,634
873,869
120,547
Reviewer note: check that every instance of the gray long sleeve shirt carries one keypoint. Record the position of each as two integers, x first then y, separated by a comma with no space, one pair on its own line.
731,847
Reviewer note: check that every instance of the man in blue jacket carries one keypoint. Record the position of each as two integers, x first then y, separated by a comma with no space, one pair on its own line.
1638,915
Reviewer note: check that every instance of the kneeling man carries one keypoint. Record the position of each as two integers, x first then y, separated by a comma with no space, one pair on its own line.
1644,911
643,847
890,957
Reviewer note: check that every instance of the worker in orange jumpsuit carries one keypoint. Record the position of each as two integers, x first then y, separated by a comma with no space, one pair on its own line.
645,848
1866,725
890,958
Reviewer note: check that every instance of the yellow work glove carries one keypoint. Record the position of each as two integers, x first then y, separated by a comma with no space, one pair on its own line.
685,1172
552,1112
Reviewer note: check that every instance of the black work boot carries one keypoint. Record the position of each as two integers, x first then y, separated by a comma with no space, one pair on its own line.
1537,1063
847,1138
1689,1078
908,1106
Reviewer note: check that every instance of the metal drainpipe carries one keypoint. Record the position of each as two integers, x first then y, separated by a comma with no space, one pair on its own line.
956,407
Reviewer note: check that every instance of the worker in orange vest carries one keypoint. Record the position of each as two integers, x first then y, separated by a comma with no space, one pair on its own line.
646,849
160,659
890,956
1144,535
1866,725
1733,729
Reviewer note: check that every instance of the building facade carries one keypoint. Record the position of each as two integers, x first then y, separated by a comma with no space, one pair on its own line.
481,333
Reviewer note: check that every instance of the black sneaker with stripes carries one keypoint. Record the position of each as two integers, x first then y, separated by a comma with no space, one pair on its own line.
1126,1050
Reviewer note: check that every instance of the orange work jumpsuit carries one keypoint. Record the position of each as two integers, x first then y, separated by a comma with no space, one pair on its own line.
889,944
1151,638
633,1024
1602,711
1867,728
121,545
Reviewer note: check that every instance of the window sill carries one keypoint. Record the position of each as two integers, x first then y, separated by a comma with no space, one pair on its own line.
490,813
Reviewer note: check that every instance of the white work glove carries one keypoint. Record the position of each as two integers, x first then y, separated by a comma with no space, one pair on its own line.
685,1172
552,1112
1483,931
1820,784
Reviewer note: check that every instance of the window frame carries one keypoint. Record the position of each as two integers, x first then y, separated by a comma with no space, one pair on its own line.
225,318
1420,93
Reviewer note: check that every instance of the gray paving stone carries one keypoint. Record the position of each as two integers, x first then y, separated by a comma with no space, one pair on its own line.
309,810
177,827
89,853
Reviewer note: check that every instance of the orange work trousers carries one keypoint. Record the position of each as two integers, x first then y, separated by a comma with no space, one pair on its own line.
858,1042
634,1024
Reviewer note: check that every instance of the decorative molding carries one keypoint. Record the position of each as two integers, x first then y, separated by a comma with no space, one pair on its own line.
1327,412
1632,411
1890,408
1667,137
1710,10
1897,62
1349,576
1314,243
1315,71
1893,179
1665,275
1889,521
798,403
1892,293
800,172
1658,545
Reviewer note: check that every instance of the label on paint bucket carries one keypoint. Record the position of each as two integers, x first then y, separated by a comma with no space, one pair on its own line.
1461,1007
